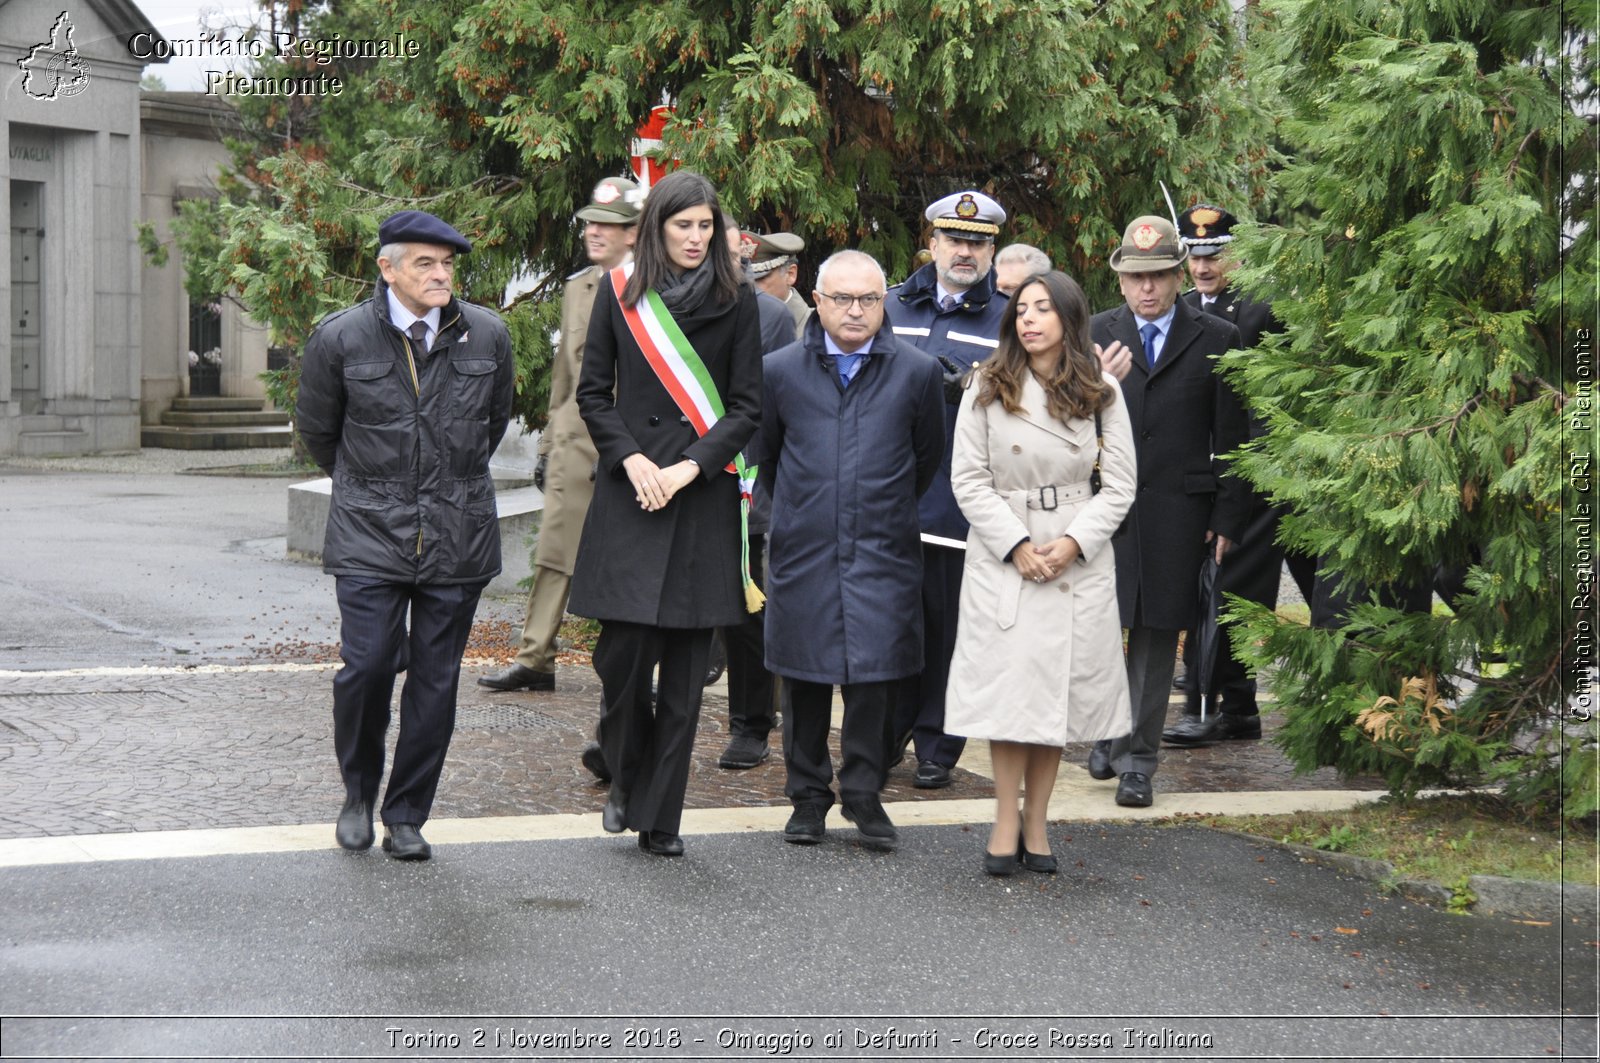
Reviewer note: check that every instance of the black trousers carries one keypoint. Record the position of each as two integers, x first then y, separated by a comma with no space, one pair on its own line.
376,646
750,686
647,742
920,712
1252,570
868,714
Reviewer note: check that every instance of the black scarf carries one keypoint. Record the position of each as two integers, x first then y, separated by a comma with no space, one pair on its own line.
683,293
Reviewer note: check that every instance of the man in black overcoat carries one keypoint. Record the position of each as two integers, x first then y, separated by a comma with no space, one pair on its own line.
1255,563
1184,419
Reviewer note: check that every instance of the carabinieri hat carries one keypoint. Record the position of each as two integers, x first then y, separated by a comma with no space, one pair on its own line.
614,201
420,227
1204,229
772,251
969,215
1150,243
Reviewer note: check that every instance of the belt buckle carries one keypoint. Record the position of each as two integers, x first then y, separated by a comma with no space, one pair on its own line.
1054,501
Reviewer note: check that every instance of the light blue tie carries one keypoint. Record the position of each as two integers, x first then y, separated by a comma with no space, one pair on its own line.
846,364
1149,333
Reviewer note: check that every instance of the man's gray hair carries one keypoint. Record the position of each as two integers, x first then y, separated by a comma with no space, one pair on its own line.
395,253
1026,255
843,257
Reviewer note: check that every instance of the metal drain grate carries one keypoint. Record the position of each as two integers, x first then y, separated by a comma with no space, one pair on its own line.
503,718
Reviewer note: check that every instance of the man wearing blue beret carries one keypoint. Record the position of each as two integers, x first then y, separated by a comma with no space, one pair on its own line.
403,398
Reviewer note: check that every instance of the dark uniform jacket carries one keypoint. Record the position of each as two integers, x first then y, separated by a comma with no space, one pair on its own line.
412,497
1184,418
777,331
966,335
677,567
845,466
1253,320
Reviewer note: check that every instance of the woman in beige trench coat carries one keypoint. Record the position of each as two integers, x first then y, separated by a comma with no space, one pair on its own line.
1038,658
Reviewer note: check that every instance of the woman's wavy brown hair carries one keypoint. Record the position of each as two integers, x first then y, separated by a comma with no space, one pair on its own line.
1076,387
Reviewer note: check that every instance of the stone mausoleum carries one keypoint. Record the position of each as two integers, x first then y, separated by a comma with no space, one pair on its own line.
96,350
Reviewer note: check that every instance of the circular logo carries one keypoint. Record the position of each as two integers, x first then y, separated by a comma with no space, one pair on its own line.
606,193
1146,236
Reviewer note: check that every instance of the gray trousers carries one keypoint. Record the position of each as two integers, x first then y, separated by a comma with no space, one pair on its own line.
1151,654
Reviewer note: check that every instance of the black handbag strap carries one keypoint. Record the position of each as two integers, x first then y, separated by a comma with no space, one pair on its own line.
1099,445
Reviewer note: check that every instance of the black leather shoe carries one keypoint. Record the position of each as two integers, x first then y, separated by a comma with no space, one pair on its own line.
931,776
1192,731
1239,727
1044,863
614,817
354,829
1100,760
999,864
806,825
404,842
660,843
594,760
1180,679
744,751
519,678
1134,790
872,823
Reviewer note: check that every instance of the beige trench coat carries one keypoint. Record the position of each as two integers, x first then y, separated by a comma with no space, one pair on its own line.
568,478
1039,663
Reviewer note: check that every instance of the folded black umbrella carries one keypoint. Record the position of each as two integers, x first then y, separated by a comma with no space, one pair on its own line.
1207,633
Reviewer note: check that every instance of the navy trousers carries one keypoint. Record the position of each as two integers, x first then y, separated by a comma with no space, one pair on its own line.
647,742
920,712
868,708
750,685
376,646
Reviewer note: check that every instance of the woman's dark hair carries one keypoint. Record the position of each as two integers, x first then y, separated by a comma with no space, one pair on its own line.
1076,386
677,192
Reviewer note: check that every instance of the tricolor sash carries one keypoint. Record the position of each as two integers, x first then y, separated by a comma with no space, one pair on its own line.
683,373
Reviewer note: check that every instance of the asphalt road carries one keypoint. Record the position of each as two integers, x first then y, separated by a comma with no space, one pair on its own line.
1156,942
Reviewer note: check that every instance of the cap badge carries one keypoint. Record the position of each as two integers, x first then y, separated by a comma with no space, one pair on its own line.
1203,217
748,245
1145,237
605,193
967,208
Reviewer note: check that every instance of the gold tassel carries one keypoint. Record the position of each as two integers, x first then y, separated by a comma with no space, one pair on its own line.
753,598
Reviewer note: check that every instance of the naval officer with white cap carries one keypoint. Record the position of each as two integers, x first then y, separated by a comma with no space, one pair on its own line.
950,309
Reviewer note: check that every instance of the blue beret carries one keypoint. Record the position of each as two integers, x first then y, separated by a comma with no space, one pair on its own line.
420,227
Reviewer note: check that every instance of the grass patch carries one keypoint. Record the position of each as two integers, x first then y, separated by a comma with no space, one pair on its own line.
1441,839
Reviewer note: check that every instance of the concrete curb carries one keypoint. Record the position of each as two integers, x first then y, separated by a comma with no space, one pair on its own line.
1492,895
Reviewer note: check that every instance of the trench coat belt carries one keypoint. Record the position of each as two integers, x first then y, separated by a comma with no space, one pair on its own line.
1051,496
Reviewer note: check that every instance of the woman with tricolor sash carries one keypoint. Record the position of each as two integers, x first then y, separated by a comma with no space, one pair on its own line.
671,393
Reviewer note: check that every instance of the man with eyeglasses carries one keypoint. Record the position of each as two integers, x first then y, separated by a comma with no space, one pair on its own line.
950,309
852,433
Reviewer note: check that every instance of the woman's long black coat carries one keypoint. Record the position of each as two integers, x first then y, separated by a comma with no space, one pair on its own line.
677,567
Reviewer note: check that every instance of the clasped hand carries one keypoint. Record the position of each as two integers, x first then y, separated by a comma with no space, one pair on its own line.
1043,563
654,486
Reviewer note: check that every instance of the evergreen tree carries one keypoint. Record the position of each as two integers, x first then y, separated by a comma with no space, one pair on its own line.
1421,401
839,121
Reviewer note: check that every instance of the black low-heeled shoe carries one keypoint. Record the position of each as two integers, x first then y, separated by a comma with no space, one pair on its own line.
999,864
661,843
1044,863
614,817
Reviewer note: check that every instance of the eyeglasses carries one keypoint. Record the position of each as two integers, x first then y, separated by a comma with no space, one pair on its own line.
868,301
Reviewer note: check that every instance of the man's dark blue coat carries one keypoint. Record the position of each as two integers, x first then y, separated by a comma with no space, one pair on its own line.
846,466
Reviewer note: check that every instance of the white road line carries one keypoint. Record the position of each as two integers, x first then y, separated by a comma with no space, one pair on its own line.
1075,800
